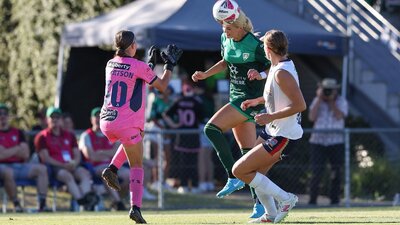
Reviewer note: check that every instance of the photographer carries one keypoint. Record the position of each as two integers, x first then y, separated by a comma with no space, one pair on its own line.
328,111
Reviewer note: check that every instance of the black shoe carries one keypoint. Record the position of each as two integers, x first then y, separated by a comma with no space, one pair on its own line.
118,206
136,215
45,209
17,207
91,200
111,179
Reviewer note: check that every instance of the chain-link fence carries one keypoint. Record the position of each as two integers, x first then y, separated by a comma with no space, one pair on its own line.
363,170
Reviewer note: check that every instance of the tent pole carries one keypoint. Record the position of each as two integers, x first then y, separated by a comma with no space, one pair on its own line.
60,63
349,57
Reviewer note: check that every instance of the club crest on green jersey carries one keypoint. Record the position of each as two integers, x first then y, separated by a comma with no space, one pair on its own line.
245,56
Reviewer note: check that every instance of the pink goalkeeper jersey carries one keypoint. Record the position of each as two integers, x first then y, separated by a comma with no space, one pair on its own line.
125,93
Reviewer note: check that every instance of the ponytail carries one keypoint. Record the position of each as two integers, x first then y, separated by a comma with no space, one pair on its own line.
244,22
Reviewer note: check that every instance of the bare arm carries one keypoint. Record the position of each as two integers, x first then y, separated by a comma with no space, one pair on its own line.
312,115
6,153
46,158
169,121
162,82
21,151
216,68
252,102
334,107
96,156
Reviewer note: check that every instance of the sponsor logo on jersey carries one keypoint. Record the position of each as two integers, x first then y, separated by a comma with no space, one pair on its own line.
108,114
245,56
272,142
116,65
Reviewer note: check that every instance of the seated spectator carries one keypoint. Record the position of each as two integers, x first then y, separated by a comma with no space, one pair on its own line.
14,153
98,152
68,122
58,149
41,122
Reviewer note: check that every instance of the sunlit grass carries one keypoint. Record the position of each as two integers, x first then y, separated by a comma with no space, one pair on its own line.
370,215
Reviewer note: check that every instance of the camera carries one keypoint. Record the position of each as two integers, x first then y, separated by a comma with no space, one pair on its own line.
327,91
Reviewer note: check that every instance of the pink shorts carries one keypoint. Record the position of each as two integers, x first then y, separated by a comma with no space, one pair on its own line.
129,136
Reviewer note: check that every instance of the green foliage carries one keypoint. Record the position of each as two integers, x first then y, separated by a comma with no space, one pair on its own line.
379,182
31,32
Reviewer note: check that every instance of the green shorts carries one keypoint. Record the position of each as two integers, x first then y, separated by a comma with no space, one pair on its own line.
250,112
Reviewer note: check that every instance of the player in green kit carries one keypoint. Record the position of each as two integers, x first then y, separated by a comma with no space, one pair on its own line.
242,52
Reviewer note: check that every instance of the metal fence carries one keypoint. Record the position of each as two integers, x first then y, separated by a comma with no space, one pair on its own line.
370,170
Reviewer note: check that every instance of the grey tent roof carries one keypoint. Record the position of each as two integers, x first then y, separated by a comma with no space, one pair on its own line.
190,25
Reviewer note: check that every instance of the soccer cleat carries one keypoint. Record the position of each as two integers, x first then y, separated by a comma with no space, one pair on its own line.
111,179
91,199
285,206
118,206
136,215
258,210
233,184
263,219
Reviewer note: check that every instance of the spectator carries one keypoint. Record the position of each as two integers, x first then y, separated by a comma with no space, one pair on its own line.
161,102
188,113
68,122
41,122
58,149
98,152
328,111
205,161
14,153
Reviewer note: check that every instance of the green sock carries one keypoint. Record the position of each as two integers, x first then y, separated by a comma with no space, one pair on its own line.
252,191
221,146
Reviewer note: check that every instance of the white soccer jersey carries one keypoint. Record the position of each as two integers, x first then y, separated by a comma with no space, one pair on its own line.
276,100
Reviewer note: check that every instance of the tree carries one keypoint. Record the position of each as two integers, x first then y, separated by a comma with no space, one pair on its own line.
32,33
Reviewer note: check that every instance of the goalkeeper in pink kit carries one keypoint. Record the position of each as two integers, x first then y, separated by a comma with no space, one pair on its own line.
122,115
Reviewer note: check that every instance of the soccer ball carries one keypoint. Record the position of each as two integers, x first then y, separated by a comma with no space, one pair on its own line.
226,10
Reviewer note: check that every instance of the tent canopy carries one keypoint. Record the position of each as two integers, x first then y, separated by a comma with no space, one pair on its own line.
190,25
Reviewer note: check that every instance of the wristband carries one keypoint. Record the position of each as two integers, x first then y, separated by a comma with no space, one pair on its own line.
263,75
151,65
169,67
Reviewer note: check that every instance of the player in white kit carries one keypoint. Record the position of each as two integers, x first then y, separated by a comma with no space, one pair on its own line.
283,103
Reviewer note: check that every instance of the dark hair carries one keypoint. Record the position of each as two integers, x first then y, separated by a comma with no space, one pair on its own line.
122,40
277,41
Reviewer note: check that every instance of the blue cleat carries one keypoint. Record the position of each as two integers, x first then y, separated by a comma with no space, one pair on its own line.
233,184
258,210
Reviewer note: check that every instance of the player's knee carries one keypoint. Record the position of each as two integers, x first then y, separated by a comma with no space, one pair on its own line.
8,174
210,129
237,171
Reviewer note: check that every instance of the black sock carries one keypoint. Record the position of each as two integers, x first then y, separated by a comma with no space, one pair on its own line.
16,203
42,201
113,168
81,201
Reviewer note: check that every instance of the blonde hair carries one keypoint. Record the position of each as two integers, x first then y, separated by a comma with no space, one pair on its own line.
243,22
277,41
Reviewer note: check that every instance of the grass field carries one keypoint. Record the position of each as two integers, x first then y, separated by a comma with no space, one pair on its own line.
342,216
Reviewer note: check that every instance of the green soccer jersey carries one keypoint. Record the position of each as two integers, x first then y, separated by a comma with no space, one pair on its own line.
241,56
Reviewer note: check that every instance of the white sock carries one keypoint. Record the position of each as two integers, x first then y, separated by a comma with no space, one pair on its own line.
268,202
263,184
